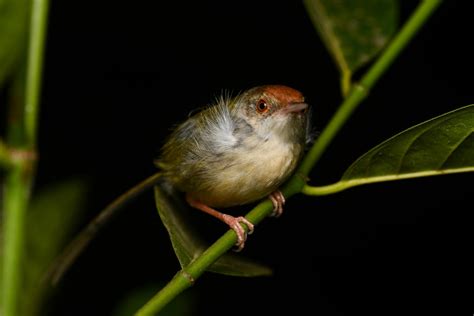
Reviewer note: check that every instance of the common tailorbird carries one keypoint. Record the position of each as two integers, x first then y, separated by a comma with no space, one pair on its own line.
234,152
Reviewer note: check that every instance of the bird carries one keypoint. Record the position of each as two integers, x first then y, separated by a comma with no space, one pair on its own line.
233,152
238,151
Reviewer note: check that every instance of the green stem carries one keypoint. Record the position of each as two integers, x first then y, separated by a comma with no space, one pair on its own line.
359,91
349,183
186,277
346,82
15,202
20,177
326,189
4,155
39,17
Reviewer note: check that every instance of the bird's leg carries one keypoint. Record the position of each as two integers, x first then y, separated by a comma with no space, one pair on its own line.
233,222
278,201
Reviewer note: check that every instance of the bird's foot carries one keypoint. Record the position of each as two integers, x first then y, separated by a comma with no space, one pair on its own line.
235,224
278,201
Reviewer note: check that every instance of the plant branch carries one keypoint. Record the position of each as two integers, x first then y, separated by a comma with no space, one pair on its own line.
4,155
360,90
187,276
39,17
20,177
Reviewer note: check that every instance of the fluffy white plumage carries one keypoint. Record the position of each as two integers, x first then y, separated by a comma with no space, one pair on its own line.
231,154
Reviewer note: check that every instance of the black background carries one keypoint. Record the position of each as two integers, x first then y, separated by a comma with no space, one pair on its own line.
119,75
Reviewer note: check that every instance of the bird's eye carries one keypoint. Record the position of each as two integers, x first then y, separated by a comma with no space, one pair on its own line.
262,106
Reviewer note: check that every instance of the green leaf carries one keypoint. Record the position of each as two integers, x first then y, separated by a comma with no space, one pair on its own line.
51,217
13,28
353,31
188,244
442,145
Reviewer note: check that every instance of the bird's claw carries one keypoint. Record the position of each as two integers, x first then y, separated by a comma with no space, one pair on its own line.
235,224
278,200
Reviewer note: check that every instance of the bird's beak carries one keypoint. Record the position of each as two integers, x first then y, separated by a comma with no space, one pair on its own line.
295,108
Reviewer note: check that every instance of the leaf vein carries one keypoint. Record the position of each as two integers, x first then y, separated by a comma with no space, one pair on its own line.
423,132
454,149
